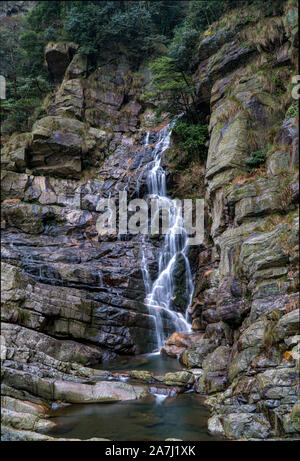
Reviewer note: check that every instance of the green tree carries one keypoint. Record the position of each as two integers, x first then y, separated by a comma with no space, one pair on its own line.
21,58
45,13
202,14
182,47
172,83
191,138
172,88
137,25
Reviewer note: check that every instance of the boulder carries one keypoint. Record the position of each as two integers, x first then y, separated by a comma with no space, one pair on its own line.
263,250
69,100
56,147
178,342
217,360
77,67
64,351
215,426
253,336
295,416
246,425
142,375
23,406
288,325
277,377
228,148
180,378
194,355
14,152
214,378
27,421
13,185
278,162
242,361
211,382
100,392
11,434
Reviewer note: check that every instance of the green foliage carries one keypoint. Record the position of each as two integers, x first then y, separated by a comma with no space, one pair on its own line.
23,103
257,159
271,7
166,15
182,47
203,13
191,138
144,29
172,84
186,157
45,13
139,26
293,111
248,295
81,25
172,88
26,79
33,46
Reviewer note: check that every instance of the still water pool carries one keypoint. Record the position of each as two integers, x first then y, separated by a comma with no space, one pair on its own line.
183,417
149,362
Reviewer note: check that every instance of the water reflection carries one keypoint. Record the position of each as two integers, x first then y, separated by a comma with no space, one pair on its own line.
184,417
149,362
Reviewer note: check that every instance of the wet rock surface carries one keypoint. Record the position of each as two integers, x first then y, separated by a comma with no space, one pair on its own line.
72,299
246,287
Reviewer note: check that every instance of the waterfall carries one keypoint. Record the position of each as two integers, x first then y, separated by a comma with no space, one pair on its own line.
160,293
159,398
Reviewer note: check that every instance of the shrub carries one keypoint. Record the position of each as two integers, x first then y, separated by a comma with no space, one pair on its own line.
191,138
293,111
171,87
256,160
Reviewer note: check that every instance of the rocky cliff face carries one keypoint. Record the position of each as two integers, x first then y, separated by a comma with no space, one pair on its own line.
71,285
246,295
72,299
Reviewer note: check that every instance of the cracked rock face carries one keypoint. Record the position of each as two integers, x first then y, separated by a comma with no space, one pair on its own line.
246,289
71,300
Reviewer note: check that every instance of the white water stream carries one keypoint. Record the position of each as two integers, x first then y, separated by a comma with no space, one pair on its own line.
160,293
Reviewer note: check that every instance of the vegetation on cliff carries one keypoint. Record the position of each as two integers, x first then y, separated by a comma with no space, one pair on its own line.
27,83
144,30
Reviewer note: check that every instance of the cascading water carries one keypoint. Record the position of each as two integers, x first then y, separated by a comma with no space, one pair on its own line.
160,293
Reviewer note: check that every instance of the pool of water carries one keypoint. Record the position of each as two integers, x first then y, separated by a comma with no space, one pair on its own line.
183,417
150,362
